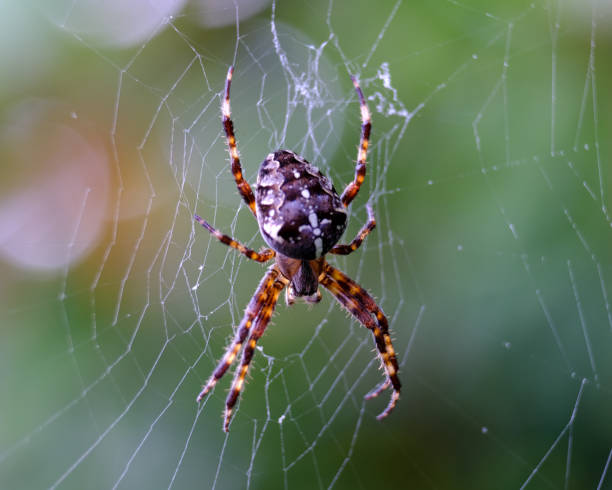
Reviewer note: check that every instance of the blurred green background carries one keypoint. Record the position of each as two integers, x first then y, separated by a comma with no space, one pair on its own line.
489,173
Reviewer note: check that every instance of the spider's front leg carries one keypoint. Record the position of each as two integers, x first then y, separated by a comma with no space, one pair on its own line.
352,189
228,126
363,307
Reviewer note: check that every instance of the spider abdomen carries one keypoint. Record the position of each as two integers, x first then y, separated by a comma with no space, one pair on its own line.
299,212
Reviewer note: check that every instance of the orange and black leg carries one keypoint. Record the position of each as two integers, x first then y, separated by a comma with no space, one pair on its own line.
259,326
357,241
258,304
262,256
243,186
363,307
352,189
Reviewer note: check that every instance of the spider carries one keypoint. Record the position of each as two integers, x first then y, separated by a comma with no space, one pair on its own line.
301,218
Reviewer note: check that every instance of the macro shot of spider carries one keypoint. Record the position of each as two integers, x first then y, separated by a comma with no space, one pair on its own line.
301,218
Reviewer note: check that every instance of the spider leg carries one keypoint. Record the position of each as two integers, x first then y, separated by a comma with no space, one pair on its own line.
261,322
363,307
243,186
255,307
378,390
262,256
352,189
363,233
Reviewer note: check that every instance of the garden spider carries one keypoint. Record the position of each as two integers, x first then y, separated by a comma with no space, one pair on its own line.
301,217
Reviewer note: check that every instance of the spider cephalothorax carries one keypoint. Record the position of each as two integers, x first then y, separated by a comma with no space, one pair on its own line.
301,217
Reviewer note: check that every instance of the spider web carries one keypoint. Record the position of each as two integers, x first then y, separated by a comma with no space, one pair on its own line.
488,173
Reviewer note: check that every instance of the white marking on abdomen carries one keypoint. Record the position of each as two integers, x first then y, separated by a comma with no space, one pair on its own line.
314,221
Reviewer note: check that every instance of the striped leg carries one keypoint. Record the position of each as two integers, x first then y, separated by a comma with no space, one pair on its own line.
261,322
352,189
363,307
257,304
363,233
243,186
262,256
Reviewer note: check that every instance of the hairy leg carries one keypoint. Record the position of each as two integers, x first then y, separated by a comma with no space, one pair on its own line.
261,322
262,256
363,307
243,186
352,189
361,236
258,303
